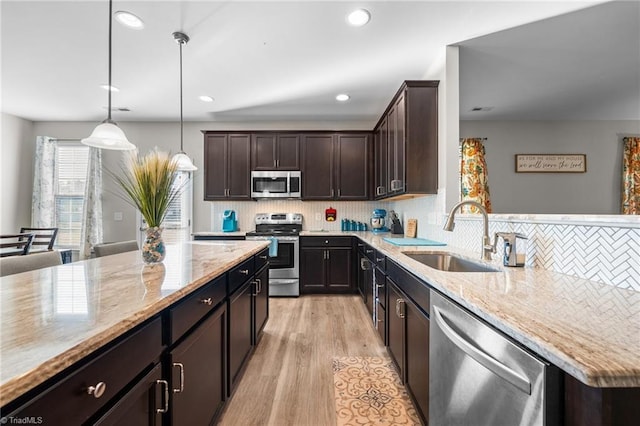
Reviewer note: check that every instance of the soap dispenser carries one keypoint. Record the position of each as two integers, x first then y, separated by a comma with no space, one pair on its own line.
515,248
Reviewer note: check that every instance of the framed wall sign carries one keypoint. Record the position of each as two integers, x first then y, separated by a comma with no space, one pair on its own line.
551,163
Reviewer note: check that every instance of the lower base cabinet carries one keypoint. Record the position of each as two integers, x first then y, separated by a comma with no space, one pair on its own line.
261,304
417,361
197,372
240,331
143,405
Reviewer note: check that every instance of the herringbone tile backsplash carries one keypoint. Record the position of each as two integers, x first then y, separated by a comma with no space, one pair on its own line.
607,252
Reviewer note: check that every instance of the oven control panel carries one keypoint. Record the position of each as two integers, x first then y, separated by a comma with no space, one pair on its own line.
278,218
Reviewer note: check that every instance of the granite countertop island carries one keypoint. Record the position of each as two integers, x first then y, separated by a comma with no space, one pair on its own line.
588,329
54,317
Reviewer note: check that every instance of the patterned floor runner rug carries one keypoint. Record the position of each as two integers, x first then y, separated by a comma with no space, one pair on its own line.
368,391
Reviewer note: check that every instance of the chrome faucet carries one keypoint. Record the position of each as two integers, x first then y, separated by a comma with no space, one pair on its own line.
487,247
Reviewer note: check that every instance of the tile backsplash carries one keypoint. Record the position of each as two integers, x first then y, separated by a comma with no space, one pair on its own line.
604,249
312,212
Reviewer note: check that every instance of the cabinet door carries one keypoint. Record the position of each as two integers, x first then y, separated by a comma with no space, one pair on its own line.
215,167
352,167
396,327
263,151
339,264
312,270
361,277
317,167
288,152
417,347
240,328
139,407
261,300
381,159
239,167
391,149
368,288
400,142
197,368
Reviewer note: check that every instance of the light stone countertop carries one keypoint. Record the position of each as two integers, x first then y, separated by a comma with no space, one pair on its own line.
219,234
588,329
53,317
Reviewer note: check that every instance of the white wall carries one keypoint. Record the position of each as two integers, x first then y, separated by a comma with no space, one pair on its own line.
595,192
17,147
166,136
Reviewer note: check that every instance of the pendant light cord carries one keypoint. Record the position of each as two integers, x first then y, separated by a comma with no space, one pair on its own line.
109,88
181,123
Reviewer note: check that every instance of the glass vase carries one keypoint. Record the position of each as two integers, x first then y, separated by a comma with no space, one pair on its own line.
153,250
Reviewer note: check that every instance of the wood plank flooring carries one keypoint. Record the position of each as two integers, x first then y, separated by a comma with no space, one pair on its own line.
289,379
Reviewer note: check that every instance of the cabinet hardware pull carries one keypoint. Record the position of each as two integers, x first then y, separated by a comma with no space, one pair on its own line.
399,303
275,163
181,367
338,193
165,384
207,301
331,192
379,259
380,285
328,254
263,257
402,304
380,190
244,271
259,285
255,288
98,390
369,251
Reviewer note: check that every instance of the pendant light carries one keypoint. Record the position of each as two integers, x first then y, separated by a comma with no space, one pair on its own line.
108,135
183,161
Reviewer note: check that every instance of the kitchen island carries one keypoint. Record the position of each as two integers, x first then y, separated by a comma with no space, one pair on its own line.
56,317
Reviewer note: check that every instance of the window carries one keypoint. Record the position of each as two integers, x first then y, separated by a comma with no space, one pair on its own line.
72,161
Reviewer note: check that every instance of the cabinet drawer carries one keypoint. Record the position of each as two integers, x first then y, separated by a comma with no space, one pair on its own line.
380,260
416,289
194,307
262,259
68,401
370,253
240,274
325,241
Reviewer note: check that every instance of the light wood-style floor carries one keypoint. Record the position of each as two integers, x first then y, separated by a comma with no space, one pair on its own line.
289,379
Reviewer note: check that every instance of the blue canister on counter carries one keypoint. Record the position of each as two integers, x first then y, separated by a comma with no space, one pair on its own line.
343,225
352,225
360,226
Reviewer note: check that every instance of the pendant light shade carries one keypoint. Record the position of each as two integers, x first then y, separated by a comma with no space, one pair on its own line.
183,161
108,135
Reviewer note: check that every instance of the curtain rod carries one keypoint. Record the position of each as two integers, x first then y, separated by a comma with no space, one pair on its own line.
626,138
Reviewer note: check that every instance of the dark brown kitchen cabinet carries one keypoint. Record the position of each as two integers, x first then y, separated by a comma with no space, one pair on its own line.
336,166
396,327
98,384
240,330
317,167
409,128
261,303
326,265
275,151
197,371
143,405
227,166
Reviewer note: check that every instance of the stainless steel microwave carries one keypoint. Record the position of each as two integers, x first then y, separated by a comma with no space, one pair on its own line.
275,184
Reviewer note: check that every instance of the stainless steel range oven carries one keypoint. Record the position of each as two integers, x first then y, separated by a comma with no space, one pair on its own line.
284,267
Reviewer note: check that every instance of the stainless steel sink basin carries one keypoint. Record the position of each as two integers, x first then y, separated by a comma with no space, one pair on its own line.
449,262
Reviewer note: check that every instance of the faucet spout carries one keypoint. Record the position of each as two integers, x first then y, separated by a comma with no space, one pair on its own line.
487,247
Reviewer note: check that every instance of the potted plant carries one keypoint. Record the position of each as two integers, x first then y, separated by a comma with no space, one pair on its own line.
147,183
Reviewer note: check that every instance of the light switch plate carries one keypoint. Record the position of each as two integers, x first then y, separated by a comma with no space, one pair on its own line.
117,216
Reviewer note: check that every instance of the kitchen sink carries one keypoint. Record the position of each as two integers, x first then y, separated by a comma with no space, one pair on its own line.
449,262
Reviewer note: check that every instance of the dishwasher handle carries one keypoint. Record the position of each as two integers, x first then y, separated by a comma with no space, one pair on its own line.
484,359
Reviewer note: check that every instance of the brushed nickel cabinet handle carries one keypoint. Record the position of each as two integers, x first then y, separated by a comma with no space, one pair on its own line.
207,301
263,257
259,281
254,292
181,367
98,390
165,384
244,271
402,304
369,251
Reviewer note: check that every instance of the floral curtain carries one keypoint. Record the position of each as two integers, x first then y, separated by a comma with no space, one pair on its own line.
631,176
474,181
43,199
92,210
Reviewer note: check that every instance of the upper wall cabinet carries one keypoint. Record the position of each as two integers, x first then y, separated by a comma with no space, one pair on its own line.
275,151
336,166
406,143
227,165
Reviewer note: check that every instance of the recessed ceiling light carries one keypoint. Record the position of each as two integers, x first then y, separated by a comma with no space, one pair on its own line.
359,17
205,98
107,87
128,19
342,97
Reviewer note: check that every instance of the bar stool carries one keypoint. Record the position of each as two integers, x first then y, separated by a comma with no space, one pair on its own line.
15,244
115,248
43,238
16,264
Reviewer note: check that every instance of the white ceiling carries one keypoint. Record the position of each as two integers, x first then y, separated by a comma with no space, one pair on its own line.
579,66
262,60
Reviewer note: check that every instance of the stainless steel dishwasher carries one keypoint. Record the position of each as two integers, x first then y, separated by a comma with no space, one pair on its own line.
478,376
